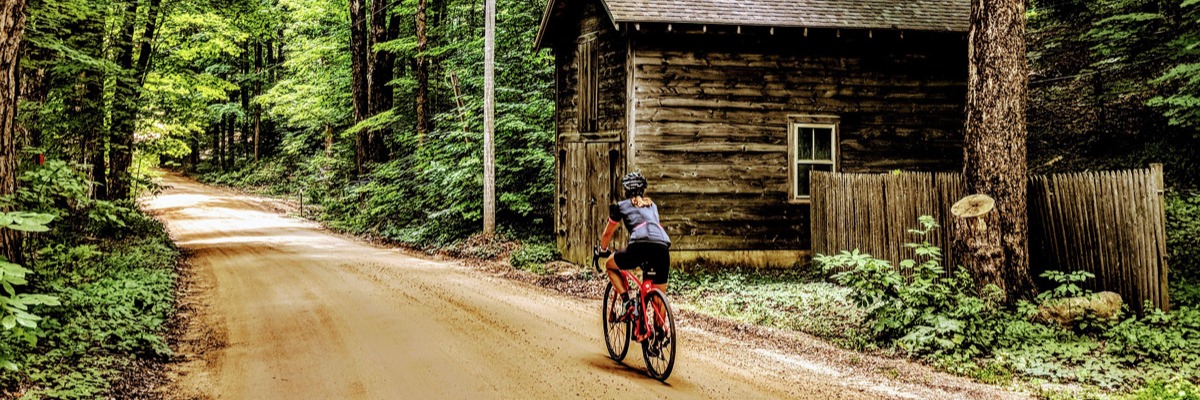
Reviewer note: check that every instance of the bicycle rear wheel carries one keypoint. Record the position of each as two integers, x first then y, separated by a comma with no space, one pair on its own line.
659,349
616,333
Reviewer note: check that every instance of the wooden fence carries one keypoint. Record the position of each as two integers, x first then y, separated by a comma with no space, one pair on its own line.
1111,224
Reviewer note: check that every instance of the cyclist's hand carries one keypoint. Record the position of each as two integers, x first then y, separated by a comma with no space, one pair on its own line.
604,253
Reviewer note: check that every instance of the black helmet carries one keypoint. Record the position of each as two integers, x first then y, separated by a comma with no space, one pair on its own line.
634,183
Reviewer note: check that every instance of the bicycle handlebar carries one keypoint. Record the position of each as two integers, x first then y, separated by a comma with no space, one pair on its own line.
596,257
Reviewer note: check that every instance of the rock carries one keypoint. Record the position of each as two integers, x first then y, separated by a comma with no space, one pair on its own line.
1104,305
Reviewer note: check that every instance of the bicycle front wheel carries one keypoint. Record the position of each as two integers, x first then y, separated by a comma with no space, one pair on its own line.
616,332
659,349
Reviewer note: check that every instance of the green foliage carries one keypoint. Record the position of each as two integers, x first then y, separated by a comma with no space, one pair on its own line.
533,256
112,291
784,299
428,192
18,322
1068,284
1180,103
922,312
1183,244
59,191
1159,390
1114,85
945,321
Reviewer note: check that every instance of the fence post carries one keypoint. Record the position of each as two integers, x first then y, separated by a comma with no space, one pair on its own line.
1156,173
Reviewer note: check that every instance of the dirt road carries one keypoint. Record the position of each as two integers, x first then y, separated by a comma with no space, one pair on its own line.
294,312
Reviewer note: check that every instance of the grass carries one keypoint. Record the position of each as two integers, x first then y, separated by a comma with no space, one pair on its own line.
784,299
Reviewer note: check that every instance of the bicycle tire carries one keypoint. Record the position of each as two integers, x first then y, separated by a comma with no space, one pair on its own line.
659,367
616,333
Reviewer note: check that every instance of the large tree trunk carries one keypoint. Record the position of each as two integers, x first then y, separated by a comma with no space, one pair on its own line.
382,67
422,73
994,145
128,95
12,28
359,78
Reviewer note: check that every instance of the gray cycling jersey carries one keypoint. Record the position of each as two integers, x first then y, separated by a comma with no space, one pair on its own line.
641,222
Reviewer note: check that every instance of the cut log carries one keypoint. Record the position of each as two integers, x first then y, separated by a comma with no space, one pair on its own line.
980,247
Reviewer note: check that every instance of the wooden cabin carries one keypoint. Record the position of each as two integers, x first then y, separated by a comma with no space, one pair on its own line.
726,105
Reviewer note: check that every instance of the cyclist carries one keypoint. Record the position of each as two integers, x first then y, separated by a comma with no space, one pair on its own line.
648,241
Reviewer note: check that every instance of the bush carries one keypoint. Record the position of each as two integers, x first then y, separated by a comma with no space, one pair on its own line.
533,256
923,313
111,268
1183,244
947,322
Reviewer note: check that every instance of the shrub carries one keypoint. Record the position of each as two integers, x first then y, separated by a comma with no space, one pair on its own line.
533,256
924,313
1183,244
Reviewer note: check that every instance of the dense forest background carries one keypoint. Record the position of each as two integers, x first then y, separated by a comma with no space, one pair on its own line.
384,133
371,112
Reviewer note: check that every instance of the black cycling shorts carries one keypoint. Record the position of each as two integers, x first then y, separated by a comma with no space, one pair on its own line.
654,258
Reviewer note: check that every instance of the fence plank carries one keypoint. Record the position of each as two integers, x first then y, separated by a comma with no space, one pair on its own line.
1110,223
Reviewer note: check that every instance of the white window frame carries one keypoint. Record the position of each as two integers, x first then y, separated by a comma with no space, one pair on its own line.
809,121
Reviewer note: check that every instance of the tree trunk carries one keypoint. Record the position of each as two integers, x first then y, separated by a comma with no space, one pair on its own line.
359,78
215,161
128,94
258,71
994,144
977,215
123,119
230,130
147,42
382,66
12,29
194,155
422,73
244,95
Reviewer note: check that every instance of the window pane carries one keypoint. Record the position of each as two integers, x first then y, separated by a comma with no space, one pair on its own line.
804,143
824,144
822,167
802,172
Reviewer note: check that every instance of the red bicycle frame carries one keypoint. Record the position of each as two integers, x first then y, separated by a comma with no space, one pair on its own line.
641,327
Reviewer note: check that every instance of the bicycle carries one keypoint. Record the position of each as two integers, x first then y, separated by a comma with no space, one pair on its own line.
657,340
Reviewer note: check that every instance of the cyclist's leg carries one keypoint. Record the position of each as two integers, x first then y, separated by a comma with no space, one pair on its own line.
662,271
614,275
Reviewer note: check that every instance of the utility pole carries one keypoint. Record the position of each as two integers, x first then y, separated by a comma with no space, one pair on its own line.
489,120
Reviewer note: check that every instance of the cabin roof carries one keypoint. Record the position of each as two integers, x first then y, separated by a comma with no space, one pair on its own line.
917,15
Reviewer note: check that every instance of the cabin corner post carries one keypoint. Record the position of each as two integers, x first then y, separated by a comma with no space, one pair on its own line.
630,104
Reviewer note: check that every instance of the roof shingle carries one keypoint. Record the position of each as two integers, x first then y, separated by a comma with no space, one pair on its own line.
924,15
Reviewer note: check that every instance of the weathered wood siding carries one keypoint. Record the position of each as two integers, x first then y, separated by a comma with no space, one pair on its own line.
610,62
1109,223
588,163
711,117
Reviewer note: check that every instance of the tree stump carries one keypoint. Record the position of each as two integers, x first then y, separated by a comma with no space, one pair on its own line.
980,249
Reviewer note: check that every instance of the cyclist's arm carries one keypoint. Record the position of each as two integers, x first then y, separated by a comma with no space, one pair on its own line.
609,230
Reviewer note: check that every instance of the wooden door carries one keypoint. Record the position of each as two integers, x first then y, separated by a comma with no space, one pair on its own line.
586,181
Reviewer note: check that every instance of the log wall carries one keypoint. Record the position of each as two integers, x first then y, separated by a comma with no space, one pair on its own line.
711,116
611,46
590,162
